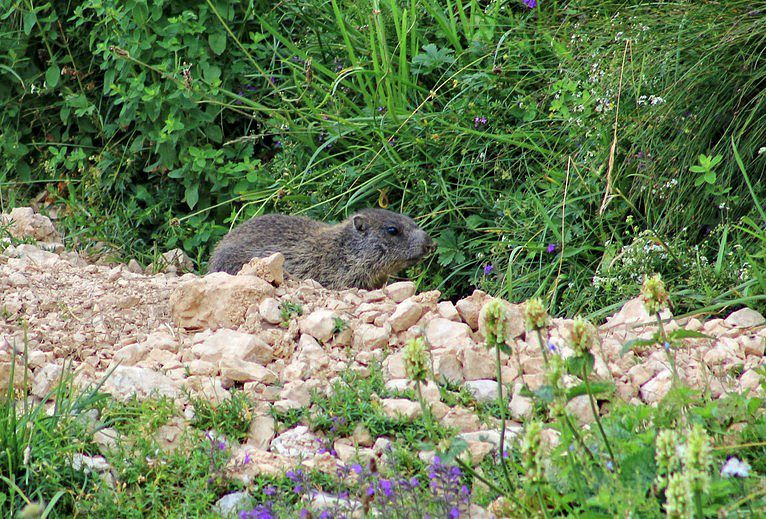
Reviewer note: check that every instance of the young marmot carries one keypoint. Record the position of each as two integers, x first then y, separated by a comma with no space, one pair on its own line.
361,251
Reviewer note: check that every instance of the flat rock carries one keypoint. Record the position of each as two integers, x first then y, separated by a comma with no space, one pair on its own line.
483,391
270,269
128,381
442,333
296,442
745,318
400,290
401,408
320,324
233,345
25,223
217,300
469,308
406,314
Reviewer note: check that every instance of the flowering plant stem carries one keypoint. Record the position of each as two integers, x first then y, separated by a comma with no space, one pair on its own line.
666,347
596,416
501,403
698,505
577,436
542,346
426,410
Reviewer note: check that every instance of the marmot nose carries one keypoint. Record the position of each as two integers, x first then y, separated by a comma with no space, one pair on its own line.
430,245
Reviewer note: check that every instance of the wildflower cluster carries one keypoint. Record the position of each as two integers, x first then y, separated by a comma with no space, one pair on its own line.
416,360
496,323
581,336
447,490
531,453
535,314
683,469
654,295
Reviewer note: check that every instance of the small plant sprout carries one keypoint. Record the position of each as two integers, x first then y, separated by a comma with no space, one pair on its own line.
496,325
416,369
536,318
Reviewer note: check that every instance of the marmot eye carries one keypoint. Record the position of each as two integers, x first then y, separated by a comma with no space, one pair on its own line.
393,231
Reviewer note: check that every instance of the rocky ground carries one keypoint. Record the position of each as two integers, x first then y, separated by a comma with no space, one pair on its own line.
176,335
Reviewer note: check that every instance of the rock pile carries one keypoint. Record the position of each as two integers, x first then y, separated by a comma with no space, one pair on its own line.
279,340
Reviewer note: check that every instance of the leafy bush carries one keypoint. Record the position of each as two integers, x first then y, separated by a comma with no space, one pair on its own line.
523,139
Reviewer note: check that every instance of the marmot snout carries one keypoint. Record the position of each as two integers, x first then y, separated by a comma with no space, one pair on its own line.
361,251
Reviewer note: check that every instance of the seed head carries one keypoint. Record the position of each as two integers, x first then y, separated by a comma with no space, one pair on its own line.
531,452
678,497
654,295
581,336
416,359
666,456
535,314
698,459
496,323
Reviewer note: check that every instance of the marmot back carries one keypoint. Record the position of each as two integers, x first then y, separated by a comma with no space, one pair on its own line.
361,251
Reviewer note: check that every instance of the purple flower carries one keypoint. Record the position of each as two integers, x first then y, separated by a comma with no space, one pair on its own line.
247,459
414,483
551,346
454,513
478,122
552,247
356,468
530,3
270,490
385,486
221,445
488,269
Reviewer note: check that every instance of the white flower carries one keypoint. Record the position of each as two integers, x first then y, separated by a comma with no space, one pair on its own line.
735,468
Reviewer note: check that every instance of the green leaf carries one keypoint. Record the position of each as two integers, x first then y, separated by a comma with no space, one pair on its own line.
474,221
687,334
636,342
577,363
191,196
52,76
214,133
30,19
217,42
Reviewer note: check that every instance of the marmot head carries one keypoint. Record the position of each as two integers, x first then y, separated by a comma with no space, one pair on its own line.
391,239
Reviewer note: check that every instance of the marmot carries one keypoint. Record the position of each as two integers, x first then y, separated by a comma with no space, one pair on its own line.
361,251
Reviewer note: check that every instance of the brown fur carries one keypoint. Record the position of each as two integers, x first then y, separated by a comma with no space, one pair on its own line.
358,252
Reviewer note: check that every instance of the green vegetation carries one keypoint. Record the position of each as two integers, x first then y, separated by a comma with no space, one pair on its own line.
562,152
688,456
546,149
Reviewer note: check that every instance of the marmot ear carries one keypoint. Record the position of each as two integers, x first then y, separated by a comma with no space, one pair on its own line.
360,223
